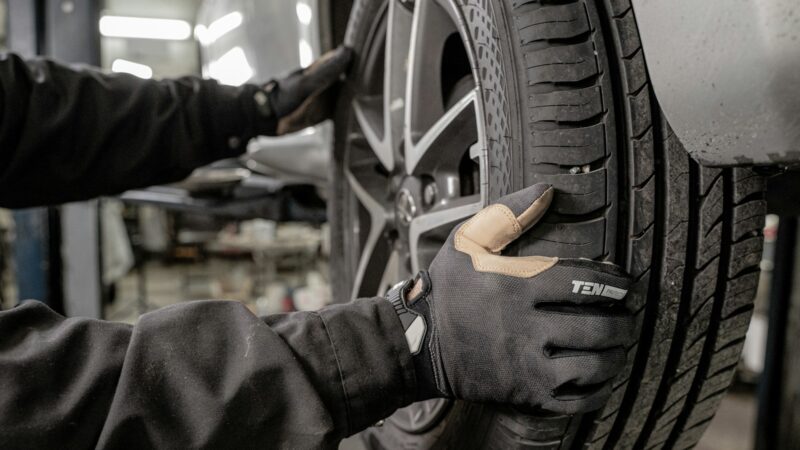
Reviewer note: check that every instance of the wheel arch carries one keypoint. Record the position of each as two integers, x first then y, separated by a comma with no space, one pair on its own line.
723,73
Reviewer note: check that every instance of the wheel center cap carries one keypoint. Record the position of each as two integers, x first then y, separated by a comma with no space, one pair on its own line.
406,207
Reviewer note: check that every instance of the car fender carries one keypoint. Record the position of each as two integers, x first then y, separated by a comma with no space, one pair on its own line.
727,76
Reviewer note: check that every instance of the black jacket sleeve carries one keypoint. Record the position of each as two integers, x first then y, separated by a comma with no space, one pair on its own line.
70,134
200,375
196,375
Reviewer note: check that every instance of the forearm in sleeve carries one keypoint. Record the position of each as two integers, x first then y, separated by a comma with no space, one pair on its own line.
70,134
200,375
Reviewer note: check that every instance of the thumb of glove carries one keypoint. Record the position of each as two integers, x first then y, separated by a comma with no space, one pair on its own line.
491,230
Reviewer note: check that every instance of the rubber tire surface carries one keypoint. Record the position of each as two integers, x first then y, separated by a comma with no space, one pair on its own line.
568,102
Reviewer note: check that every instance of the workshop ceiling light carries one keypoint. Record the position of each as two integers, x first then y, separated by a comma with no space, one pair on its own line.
306,54
125,66
304,13
231,68
218,28
145,28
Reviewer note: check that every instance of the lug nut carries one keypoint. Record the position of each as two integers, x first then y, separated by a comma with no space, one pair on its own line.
429,194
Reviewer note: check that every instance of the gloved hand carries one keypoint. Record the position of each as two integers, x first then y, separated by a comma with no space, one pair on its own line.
528,331
306,97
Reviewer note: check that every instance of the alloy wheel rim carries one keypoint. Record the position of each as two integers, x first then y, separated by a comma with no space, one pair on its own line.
416,155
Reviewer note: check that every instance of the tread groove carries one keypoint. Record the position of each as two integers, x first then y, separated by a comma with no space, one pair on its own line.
679,333
752,197
730,344
713,394
746,309
712,334
724,369
641,185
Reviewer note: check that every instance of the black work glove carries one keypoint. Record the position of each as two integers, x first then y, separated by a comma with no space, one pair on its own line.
528,331
307,96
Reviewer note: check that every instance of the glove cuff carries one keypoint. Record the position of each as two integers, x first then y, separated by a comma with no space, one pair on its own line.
414,325
280,102
267,106
266,122
410,301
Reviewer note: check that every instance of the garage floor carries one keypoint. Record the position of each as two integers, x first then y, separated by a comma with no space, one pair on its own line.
733,427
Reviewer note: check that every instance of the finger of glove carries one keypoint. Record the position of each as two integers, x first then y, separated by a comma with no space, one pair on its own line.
312,111
579,282
295,89
497,225
586,368
326,70
575,404
574,331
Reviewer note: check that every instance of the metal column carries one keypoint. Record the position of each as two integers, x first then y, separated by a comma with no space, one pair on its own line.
61,247
72,36
24,26
37,246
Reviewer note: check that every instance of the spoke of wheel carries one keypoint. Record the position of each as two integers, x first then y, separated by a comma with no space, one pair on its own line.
447,139
394,81
392,274
423,101
382,121
457,211
378,221
377,142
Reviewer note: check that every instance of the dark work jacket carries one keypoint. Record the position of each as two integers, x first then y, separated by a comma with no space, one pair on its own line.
194,375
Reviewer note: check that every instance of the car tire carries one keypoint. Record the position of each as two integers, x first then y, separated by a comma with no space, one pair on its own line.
567,101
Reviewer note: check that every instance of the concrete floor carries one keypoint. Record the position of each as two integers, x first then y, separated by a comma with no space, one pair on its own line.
733,427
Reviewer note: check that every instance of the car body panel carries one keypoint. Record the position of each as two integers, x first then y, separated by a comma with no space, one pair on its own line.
727,76
303,157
